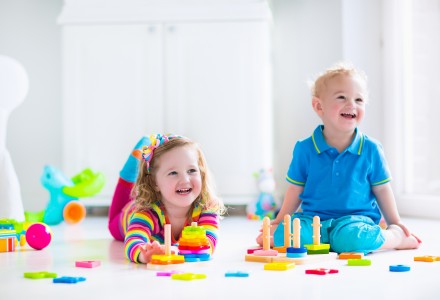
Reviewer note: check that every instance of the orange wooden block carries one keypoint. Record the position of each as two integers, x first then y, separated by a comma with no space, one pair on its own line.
351,255
280,249
427,258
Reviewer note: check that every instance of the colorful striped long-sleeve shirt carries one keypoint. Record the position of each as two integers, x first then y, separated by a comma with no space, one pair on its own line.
143,227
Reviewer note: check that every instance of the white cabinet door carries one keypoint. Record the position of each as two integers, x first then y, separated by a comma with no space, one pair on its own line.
218,92
113,91
209,81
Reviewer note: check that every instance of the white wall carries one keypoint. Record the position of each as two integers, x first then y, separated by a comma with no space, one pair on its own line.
309,35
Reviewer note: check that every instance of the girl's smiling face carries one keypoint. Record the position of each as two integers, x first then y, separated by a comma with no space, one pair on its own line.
178,177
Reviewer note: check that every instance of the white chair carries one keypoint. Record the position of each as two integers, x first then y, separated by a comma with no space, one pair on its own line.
14,86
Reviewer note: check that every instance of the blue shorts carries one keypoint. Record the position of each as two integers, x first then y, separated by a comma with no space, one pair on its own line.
346,234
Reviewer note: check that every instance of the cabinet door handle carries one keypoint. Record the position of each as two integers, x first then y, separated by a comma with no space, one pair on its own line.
171,29
151,29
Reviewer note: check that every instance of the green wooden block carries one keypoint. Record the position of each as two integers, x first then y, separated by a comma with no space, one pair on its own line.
322,251
359,262
39,275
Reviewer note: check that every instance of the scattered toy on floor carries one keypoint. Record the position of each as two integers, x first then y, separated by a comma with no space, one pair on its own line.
287,253
38,236
87,264
40,275
399,268
321,271
64,193
68,279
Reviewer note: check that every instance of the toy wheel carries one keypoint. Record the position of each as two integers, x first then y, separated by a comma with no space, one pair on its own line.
74,212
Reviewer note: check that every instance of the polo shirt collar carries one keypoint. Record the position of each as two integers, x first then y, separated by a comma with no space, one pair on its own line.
321,145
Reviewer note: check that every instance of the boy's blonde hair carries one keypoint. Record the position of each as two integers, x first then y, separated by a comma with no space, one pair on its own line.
338,69
144,190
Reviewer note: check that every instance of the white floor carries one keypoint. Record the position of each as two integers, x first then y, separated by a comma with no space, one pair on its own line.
116,278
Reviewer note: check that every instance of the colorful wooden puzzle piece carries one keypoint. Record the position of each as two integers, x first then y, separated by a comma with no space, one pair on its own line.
321,271
188,276
351,255
399,268
279,266
236,274
427,258
87,264
39,275
358,262
68,279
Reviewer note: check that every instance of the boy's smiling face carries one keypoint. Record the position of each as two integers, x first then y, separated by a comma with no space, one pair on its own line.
341,104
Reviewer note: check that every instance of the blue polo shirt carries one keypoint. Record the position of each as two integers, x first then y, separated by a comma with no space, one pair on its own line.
338,184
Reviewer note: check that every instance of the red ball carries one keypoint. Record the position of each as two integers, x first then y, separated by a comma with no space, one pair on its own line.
38,236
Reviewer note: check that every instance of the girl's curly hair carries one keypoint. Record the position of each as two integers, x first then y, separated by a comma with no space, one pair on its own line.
144,191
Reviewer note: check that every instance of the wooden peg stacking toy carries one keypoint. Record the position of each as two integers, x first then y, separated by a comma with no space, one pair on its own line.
296,251
287,233
317,247
167,238
316,230
167,258
296,233
266,251
296,254
194,245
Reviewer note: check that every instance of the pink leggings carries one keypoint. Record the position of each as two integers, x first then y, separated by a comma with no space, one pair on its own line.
121,197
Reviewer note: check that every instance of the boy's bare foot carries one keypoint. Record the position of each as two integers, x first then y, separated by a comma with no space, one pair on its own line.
406,242
395,238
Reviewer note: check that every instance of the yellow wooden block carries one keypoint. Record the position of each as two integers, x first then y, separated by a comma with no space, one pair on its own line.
188,276
279,266
167,259
317,247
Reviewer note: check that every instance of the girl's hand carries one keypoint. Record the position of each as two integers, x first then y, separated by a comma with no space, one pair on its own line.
148,250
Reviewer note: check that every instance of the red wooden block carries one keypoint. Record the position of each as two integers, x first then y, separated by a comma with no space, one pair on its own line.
321,271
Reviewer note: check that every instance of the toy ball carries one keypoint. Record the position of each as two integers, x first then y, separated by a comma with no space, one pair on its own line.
38,236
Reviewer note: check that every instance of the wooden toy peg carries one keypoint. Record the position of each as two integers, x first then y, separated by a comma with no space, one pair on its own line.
287,231
266,233
316,230
167,237
194,224
296,233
